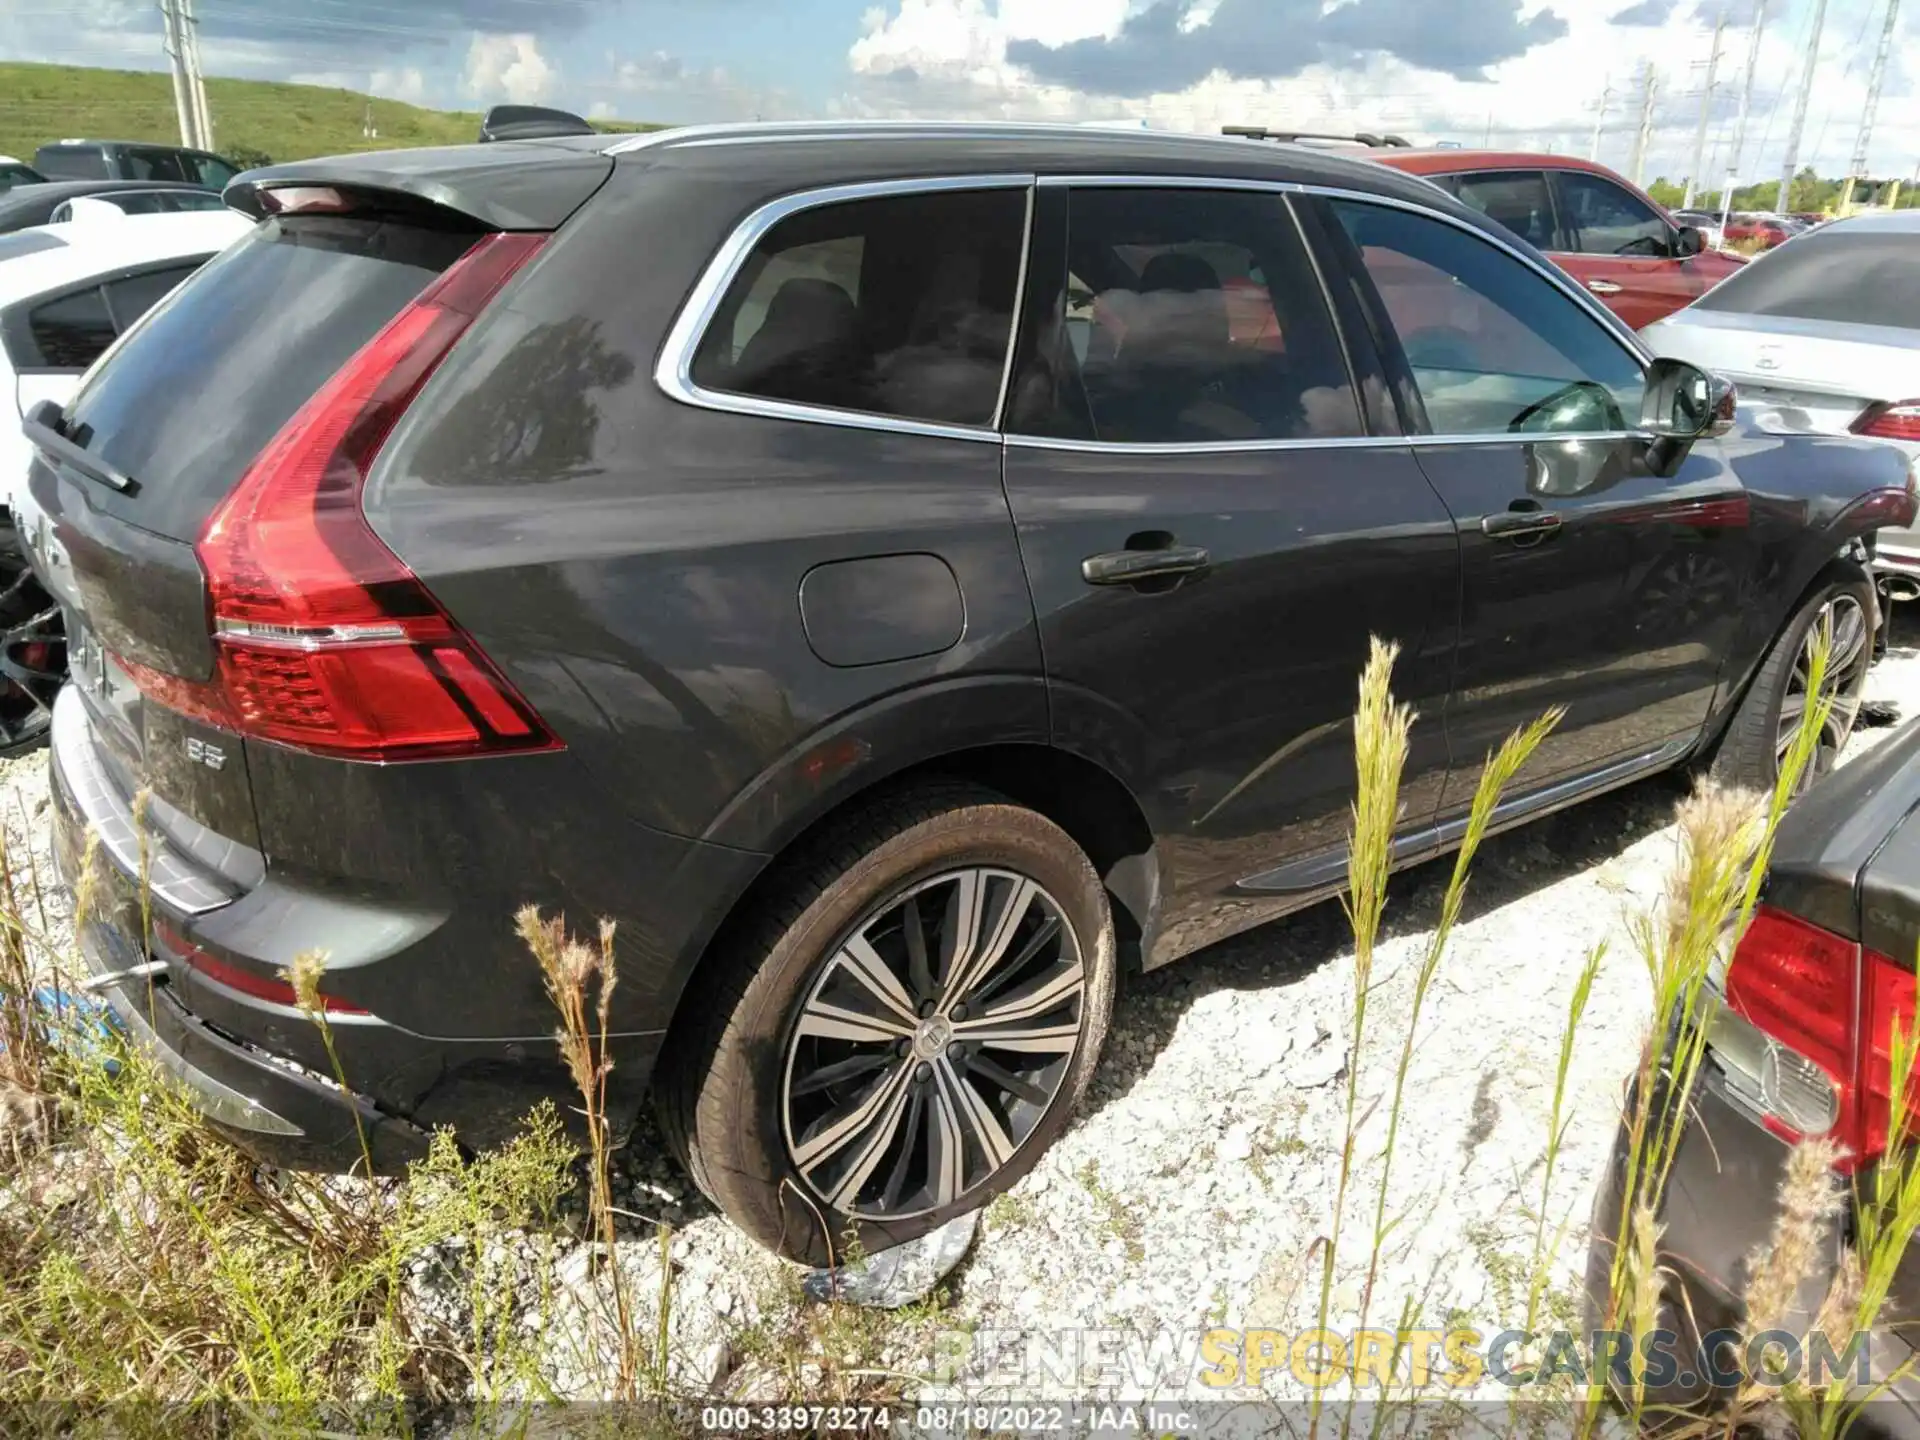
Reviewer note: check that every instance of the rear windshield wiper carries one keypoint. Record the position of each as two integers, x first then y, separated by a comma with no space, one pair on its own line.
43,428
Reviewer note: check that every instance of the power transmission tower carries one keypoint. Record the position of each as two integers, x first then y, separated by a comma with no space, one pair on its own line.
1600,118
1706,110
1800,107
196,82
1746,104
1649,82
177,60
1858,170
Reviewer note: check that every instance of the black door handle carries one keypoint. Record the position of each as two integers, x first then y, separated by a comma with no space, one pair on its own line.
1519,524
1125,567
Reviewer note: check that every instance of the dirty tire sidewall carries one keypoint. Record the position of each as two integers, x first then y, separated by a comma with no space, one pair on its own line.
1747,754
729,1098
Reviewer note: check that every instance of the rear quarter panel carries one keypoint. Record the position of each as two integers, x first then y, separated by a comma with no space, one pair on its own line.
1806,494
634,563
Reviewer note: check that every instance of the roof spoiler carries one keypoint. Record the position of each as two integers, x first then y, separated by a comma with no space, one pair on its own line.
1290,137
530,122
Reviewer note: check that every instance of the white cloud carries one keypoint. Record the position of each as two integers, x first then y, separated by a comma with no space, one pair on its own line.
508,67
949,58
408,84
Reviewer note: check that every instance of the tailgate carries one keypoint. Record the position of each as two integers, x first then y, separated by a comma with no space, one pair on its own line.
160,433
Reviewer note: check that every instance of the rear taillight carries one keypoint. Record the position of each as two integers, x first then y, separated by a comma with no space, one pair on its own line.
1806,1032
1897,421
325,640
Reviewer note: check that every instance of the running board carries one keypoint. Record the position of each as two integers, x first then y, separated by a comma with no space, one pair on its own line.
1327,871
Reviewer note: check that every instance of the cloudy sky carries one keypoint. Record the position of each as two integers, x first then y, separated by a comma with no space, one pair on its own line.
1525,73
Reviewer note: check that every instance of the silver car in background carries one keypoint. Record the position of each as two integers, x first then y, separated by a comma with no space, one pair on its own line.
1823,335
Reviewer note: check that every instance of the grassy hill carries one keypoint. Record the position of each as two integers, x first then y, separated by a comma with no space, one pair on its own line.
39,103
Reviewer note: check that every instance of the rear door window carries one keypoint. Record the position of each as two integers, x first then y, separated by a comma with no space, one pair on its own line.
1184,316
900,306
200,388
1517,199
139,162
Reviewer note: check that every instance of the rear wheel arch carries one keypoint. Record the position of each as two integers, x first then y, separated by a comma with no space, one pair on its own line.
1087,801
1838,570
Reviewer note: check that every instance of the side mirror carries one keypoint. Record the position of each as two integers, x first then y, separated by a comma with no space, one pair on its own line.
1684,402
1688,241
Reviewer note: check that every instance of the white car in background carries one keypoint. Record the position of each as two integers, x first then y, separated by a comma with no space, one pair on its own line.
67,293
1822,336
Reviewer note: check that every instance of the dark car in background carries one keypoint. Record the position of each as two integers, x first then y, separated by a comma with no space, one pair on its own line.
31,205
132,160
1799,1040
13,173
923,589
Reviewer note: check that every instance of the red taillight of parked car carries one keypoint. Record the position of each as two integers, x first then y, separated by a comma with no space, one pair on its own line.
1807,1032
325,640
1898,421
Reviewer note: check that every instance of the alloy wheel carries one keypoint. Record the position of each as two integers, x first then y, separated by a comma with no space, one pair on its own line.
33,660
935,1038
1849,653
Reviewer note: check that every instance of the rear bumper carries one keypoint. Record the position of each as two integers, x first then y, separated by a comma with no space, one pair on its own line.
1719,1208
282,1113
259,1069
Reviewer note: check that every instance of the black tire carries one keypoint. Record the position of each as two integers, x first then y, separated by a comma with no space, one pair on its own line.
722,1088
1748,753
33,649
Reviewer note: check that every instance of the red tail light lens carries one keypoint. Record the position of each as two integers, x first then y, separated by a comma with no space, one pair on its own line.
1898,421
325,640
1823,1011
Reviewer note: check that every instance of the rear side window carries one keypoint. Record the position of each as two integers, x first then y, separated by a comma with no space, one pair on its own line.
200,388
1183,316
72,332
1517,199
901,306
1848,277
138,162
77,162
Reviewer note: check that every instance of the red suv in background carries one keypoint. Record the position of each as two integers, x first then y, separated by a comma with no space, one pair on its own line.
1596,226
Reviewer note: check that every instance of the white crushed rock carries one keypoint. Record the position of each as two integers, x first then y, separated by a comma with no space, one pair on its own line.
1195,1184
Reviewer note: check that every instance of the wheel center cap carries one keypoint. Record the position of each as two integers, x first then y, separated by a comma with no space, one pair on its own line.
930,1041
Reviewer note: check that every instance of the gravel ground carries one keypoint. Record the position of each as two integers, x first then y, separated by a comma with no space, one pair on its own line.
1191,1190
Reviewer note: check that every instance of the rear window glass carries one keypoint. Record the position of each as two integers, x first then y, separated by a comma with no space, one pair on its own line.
899,306
12,175
76,163
201,386
1858,277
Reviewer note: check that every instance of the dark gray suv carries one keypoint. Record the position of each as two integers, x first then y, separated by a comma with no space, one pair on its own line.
904,577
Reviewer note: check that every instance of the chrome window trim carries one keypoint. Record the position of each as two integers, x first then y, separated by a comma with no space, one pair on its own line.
1330,442
674,371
